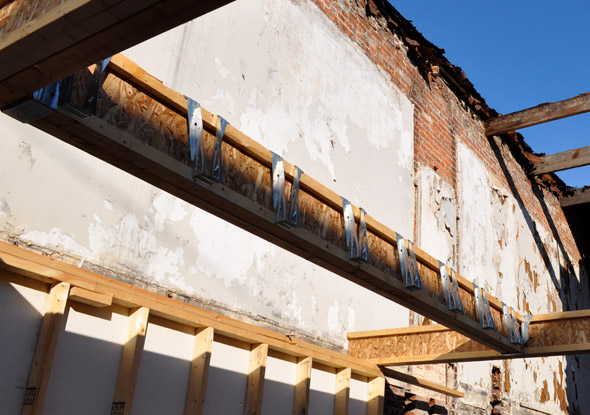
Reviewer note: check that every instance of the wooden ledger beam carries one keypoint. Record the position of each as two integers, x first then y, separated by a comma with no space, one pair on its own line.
537,115
140,126
45,40
554,334
563,161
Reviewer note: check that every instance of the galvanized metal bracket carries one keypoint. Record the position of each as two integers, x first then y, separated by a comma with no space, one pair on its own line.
408,264
524,328
357,243
483,308
286,213
209,170
511,325
451,289
91,100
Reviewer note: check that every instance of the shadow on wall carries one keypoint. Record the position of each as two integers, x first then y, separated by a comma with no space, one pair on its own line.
85,367
572,293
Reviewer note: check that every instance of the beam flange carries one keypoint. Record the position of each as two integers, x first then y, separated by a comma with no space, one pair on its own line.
537,115
555,334
562,161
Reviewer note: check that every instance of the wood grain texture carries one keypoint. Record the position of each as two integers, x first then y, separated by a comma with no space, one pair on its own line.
199,372
302,386
256,372
91,298
376,396
580,197
342,391
42,363
538,115
562,161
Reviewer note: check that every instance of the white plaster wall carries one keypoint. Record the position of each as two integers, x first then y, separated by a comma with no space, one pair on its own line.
20,321
279,381
271,75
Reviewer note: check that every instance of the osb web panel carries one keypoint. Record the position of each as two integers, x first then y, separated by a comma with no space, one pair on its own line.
18,13
568,331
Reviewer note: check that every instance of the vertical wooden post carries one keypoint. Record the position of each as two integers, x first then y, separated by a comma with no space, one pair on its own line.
130,359
197,383
375,396
256,373
40,371
302,386
342,392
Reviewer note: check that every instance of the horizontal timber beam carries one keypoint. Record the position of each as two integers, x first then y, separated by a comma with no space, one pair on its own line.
132,104
562,161
43,41
553,334
580,197
537,115
19,262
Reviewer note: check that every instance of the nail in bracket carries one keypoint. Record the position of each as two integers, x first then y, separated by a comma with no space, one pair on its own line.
358,244
483,308
208,170
511,325
286,214
451,289
408,264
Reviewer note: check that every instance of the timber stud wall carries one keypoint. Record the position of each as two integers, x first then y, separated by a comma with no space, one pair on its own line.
440,118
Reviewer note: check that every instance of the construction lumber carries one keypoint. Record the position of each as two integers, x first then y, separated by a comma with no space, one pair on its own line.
35,267
554,334
199,373
342,391
140,126
580,197
426,384
376,396
302,386
562,161
130,359
42,41
537,115
91,298
40,370
256,372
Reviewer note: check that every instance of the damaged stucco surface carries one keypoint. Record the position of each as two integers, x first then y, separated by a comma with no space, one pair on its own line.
268,77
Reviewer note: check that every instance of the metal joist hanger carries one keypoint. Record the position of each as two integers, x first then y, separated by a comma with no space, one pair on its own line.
287,213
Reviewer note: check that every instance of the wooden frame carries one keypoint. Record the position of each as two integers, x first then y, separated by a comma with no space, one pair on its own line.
78,33
321,206
562,161
197,384
17,263
554,334
580,197
256,372
538,115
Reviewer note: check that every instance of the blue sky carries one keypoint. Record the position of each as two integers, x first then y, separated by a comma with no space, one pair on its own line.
518,54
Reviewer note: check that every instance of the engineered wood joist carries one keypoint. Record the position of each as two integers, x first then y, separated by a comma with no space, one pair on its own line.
17,264
562,161
554,334
42,363
537,115
140,126
580,197
41,41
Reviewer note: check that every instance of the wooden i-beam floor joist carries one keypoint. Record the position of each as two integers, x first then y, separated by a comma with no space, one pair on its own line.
41,41
16,263
554,334
140,126
538,115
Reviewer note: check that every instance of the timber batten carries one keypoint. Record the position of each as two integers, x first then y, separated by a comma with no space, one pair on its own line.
148,138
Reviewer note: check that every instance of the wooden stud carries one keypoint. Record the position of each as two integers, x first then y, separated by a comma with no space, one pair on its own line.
562,161
91,298
197,384
130,359
375,396
39,267
537,115
40,371
342,393
302,386
256,371
580,197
